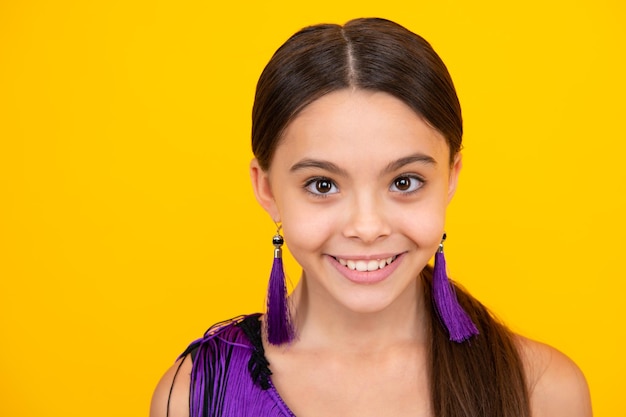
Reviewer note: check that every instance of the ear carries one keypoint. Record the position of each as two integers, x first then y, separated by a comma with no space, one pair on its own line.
455,169
263,190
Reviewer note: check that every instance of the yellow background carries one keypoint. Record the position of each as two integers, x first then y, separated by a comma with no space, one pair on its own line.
128,225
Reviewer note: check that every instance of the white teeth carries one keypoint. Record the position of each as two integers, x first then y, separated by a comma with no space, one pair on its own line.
361,265
364,265
372,265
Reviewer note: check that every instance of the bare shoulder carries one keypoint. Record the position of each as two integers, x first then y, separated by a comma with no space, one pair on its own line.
557,387
171,396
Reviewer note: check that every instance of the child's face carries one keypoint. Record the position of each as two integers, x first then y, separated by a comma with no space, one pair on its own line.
361,184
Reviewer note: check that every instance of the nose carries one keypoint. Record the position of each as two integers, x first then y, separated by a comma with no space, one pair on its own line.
366,220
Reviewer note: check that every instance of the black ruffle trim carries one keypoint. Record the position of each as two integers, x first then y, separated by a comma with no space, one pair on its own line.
258,365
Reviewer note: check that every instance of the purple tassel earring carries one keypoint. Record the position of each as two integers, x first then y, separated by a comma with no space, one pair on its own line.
278,319
454,318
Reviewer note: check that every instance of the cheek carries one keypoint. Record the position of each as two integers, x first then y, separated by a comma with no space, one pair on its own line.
424,225
306,227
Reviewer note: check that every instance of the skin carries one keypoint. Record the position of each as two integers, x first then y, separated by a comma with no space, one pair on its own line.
358,175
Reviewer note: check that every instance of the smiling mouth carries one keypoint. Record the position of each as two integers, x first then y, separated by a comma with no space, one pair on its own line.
366,265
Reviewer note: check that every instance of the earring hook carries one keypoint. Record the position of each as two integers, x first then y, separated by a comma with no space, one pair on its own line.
443,239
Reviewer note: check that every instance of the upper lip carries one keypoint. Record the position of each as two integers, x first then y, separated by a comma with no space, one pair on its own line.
365,257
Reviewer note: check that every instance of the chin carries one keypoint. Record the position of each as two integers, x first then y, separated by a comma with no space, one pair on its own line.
368,305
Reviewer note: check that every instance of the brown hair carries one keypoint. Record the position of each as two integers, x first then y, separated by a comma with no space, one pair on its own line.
484,376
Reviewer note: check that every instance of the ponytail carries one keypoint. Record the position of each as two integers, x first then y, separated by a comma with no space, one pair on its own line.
482,377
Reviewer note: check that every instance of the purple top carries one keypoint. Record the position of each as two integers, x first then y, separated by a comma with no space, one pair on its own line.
230,376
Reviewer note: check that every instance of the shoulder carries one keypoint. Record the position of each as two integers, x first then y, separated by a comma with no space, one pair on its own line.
556,385
171,396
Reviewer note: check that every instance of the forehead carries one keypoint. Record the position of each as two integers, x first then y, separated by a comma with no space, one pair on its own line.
356,123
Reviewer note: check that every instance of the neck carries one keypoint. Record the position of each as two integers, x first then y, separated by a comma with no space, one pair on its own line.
324,323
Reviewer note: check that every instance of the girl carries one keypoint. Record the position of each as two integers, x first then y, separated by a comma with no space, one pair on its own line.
357,136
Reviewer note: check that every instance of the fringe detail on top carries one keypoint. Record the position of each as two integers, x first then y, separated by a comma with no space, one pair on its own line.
230,375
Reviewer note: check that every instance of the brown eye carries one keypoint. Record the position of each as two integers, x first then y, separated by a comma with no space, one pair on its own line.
402,183
323,186
406,184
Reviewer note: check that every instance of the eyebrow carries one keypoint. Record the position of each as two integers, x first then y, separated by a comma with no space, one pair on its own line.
418,157
319,164
308,163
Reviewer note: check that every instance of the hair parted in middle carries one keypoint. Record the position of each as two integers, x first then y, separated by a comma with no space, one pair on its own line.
370,54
